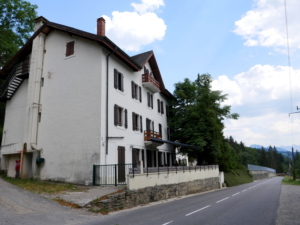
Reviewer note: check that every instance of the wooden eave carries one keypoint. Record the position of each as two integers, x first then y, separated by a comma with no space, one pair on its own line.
47,27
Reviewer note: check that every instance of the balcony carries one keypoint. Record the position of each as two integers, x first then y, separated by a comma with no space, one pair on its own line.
150,83
152,134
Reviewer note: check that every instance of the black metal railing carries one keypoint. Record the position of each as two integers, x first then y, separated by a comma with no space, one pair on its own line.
14,79
114,174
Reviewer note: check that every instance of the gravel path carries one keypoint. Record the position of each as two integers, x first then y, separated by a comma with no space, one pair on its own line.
18,206
289,206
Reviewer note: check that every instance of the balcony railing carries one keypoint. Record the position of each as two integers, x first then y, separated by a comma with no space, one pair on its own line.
151,134
150,83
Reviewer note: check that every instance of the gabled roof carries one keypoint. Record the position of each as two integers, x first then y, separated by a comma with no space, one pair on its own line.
136,62
142,58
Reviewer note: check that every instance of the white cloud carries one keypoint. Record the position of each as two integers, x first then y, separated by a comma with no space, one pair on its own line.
260,84
264,25
133,30
261,96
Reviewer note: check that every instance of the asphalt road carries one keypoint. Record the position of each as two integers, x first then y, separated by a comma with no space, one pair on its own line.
254,203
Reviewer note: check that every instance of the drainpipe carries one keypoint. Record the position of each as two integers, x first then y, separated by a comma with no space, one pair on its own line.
107,70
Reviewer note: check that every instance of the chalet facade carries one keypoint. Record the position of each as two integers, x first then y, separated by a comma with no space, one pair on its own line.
74,99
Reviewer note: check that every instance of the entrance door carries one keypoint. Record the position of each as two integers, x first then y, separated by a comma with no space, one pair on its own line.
121,166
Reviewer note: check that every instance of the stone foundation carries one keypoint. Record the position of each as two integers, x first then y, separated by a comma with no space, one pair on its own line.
259,175
131,198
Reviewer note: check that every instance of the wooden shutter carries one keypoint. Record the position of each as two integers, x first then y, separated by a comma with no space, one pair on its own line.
162,107
132,89
147,124
122,82
148,99
168,133
159,129
141,124
151,98
115,78
126,121
133,121
153,125
140,93
158,105
116,112
70,48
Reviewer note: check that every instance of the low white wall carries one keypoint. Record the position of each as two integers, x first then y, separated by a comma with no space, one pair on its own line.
154,179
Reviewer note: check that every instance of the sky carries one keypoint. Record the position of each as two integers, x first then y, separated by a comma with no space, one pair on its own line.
241,43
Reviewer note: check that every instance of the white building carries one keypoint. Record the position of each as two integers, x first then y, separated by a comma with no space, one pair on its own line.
75,99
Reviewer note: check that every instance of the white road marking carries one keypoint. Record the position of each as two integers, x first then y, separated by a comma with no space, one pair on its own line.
222,200
235,194
198,210
244,190
167,223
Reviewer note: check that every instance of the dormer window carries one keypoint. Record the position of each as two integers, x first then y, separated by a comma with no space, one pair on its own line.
70,48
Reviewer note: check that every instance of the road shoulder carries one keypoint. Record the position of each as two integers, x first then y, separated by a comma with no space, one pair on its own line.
289,206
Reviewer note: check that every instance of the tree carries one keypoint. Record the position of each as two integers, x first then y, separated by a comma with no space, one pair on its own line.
16,25
197,119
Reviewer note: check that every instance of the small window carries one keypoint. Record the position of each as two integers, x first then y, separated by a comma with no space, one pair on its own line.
118,80
120,116
150,100
136,91
135,121
160,129
42,82
158,105
70,48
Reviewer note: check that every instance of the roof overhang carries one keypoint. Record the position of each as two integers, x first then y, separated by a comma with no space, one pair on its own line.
177,144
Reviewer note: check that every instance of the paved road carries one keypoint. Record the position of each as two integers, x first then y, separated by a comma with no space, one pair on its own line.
254,203
18,206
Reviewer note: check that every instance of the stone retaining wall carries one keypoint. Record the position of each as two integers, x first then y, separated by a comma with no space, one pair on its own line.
259,175
131,198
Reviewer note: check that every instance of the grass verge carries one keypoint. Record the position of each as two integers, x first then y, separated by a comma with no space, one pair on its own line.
289,180
41,187
65,203
237,177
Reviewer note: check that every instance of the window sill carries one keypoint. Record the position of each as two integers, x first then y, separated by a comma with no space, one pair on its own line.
136,100
137,132
121,92
121,128
71,56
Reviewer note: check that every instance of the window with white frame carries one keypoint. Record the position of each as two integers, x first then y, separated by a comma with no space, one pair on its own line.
120,116
136,91
118,80
137,122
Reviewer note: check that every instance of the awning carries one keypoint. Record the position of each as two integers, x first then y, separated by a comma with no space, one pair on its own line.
175,143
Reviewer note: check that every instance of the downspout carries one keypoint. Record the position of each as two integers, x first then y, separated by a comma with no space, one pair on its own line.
107,71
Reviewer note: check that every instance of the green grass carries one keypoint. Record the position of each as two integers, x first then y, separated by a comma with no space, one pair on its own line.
40,187
289,180
237,177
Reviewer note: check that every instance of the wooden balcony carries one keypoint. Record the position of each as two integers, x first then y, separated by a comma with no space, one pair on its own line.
152,134
150,83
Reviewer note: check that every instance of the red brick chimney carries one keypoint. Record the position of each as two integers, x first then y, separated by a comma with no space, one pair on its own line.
101,26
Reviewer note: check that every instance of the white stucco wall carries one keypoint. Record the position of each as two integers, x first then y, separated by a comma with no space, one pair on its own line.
69,131
132,139
13,130
153,179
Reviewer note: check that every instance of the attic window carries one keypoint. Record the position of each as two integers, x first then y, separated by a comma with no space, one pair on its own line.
70,48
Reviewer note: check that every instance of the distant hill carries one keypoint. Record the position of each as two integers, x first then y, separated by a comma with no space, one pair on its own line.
280,149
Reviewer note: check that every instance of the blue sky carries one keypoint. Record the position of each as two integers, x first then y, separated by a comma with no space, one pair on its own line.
242,44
